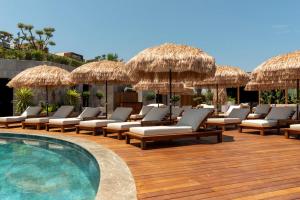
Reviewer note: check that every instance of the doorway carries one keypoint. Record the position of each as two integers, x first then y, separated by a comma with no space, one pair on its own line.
6,98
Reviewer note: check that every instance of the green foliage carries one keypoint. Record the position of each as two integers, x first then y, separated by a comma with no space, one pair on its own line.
37,55
51,108
109,56
231,99
85,94
274,96
175,98
99,95
199,99
150,96
73,98
23,99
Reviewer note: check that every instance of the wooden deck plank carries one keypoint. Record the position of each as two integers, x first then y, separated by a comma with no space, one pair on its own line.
246,167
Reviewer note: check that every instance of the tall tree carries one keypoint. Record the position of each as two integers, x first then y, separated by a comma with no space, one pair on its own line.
5,38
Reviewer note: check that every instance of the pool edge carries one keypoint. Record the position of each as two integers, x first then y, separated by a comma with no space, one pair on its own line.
116,180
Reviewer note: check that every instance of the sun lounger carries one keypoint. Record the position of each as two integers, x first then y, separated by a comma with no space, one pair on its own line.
62,112
141,115
31,111
121,114
188,126
228,111
294,129
260,112
234,118
270,122
87,113
154,117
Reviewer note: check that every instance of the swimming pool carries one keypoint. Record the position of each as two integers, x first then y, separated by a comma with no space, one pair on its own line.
34,167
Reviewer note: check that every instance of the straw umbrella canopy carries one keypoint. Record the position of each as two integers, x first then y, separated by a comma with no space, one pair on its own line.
171,61
42,76
285,67
101,72
225,77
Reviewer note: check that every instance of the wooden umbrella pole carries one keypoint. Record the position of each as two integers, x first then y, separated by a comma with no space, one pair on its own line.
286,94
170,92
297,99
106,99
238,95
47,102
217,88
157,98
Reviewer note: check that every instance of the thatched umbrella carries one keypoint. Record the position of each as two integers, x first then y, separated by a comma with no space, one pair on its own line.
101,72
171,61
225,77
285,67
41,76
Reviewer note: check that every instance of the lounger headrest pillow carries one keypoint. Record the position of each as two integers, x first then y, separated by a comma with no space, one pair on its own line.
278,113
31,111
231,107
145,110
194,118
240,113
63,111
156,114
262,109
89,112
121,114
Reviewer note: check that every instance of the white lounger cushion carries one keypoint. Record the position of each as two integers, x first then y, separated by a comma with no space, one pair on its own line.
66,121
39,120
12,119
89,112
161,130
193,118
295,126
224,120
260,122
254,116
262,109
278,113
160,105
143,112
156,114
121,114
231,107
63,111
123,125
97,122
240,113
31,111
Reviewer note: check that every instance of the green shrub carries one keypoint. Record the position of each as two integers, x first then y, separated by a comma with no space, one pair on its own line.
175,98
150,96
73,98
23,99
38,55
99,95
51,108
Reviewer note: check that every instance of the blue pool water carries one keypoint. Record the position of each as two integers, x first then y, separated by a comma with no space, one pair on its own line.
32,167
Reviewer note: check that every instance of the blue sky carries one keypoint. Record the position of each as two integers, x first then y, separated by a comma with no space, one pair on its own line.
242,33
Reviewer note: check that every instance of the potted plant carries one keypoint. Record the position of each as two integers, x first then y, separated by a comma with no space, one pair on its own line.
85,98
99,96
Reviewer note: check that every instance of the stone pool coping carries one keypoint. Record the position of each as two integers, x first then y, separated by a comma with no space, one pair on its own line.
116,180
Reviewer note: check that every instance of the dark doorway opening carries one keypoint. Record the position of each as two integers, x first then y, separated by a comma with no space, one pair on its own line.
6,98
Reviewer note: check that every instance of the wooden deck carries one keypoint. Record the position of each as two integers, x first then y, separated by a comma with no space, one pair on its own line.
245,167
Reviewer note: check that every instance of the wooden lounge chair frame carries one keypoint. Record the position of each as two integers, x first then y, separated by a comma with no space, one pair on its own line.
95,130
6,124
260,128
143,123
290,131
61,126
224,124
197,134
